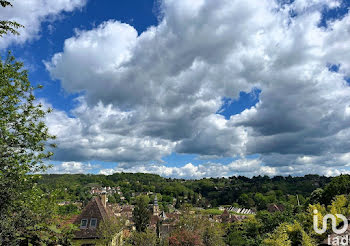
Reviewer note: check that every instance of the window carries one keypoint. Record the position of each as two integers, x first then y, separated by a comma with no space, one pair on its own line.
83,223
93,222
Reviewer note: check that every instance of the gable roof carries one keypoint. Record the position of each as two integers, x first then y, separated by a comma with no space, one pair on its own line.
94,209
275,208
163,215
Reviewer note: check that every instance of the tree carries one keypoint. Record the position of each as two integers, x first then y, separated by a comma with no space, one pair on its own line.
245,201
204,231
141,213
271,220
236,238
260,201
110,230
213,235
68,209
23,136
247,232
338,186
316,195
289,235
111,199
185,238
117,197
146,238
177,204
25,210
8,26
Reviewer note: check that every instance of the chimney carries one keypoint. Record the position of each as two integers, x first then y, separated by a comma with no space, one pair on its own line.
104,197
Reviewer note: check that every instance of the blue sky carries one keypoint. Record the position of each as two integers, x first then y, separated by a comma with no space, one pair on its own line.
191,90
141,15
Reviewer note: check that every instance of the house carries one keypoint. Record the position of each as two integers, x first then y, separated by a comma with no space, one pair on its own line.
226,217
127,212
161,222
95,212
168,223
164,223
272,208
108,190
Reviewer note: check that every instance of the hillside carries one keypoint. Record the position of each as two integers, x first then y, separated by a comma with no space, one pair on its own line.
248,192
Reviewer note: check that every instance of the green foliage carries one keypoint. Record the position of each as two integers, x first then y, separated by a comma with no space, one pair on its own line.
212,235
141,213
212,211
23,137
316,196
22,130
260,201
33,223
68,209
289,235
251,231
254,230
26,211
194,230
339,185
256,192
185,238
271,220
109,229
111,199
278,238
8,26
247,232
146,238
340,205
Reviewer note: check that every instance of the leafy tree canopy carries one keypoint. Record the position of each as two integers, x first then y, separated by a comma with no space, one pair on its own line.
8,26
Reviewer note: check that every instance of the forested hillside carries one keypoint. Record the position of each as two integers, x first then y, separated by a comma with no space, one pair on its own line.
247,192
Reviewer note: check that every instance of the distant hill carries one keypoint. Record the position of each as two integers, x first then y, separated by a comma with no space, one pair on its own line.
248,192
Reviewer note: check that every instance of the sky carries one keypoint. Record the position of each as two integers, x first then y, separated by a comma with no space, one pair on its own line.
190,89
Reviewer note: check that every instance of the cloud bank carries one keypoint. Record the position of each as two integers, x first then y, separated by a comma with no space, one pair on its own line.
31,14
146,95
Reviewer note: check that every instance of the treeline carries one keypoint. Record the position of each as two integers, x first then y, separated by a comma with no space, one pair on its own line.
256,192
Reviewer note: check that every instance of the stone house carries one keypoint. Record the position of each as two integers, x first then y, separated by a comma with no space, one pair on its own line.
95,212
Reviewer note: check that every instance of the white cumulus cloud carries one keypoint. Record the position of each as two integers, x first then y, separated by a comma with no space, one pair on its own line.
72,167
246,167
31,14
149,94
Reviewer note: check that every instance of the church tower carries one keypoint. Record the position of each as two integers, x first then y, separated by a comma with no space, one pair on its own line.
155,206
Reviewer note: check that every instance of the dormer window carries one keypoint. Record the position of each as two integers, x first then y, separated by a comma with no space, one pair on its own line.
93,222
83,223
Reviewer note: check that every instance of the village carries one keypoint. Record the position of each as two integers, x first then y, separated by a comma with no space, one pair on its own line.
99,210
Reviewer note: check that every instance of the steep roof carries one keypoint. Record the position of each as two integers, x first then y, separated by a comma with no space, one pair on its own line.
235,217
163,215
225,216
94,209
275,208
